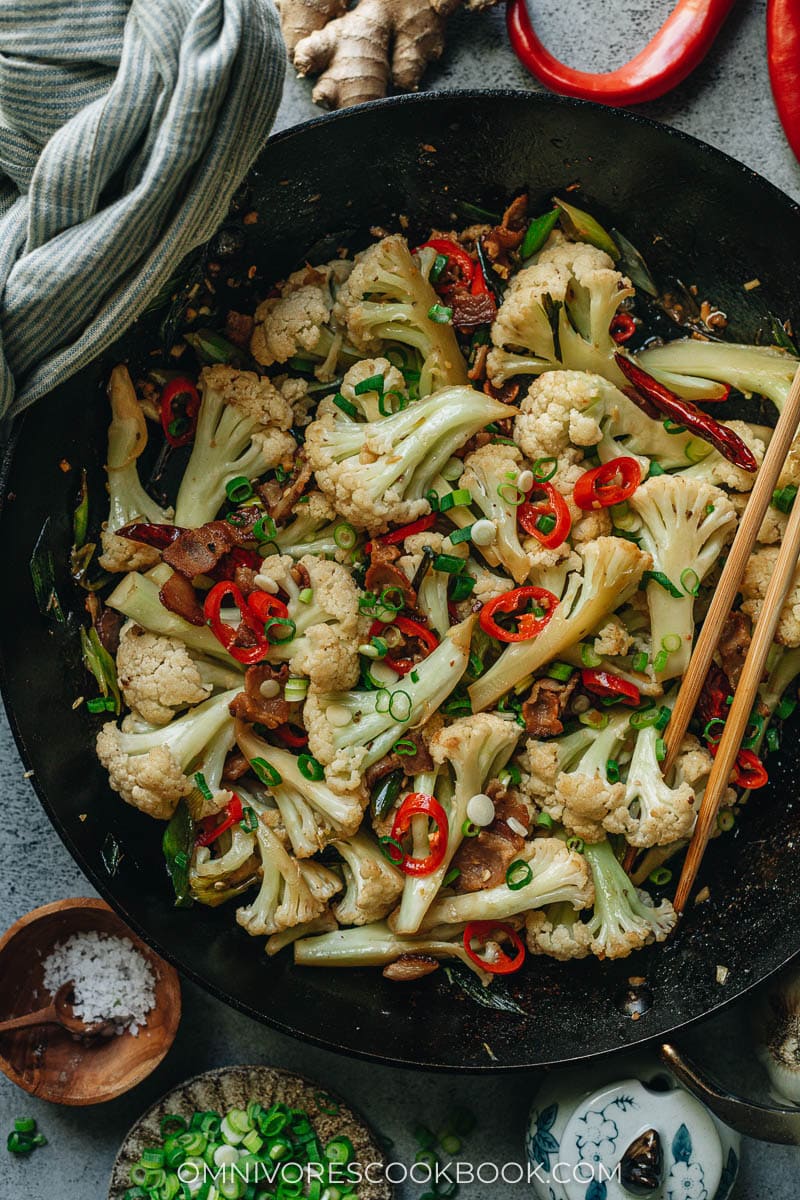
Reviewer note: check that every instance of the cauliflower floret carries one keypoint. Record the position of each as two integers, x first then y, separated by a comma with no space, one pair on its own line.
121,554
758,572
652,813
490,475
563,409
328,625
585,802
773,527
295,392
557,932
586,526
297,321
550,568
613,638
152,782
157,675
373,884
393,392
624,919
716,469
291,892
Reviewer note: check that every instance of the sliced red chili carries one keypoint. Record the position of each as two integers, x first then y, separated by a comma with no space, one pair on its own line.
479,286
608,484
749,772
180,404
555,507
411,629
528,624
264,606
291,736
454,254
484,931
404,531
233,814
239,556
421,804
227,634
605,683
651,396
158,536
622,327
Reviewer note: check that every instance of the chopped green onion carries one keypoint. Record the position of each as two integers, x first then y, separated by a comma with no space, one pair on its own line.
399,401
588,656
345,536
594,719
663,718
644,717
439,264
440,314
660,876
560,670
655,469
455,499
383,699
249,821
202,786
661,749
660,661
462,588
27,1125
386,600
309,768
400,706
773,740
671,643
460,535
388,845
469,830
785,708
518,875
673,427
449,564
690,581
546,523
264,529
752,739
101,704
345,405
639,662
725,820
545,820
581,226
544,469
265,771
451,876
663,581
374,383
510,776
414,676
306,595
511,494
279,630
406,747
537,233
295,689
696,450
576,844
612,770
239,489
783,498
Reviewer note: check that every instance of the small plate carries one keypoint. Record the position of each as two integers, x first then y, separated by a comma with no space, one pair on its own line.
46,1061
235,1087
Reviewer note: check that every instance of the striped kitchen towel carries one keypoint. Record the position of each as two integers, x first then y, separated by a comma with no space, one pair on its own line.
125,128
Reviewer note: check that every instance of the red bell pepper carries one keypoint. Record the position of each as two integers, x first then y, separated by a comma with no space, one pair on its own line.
608,484
233,814
652,397
783,58
529,625
180,404
678,47
555,506
604,683
420,804
226,634
484,931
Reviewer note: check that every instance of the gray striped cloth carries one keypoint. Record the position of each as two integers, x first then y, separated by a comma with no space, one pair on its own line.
125,128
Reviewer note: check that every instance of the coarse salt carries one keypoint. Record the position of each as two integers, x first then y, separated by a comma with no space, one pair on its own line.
111,980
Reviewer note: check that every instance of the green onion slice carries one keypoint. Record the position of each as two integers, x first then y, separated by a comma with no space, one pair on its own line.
518,875
265,771
239,489
310,768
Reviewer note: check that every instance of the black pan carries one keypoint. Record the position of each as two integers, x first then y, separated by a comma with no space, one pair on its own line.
315,187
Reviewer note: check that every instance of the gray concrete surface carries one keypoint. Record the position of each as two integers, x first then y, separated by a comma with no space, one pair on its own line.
727,102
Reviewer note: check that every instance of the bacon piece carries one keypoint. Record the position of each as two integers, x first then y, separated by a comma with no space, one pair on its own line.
545,705
469,311
410,764
408,967
179,596
484,860
251,705
382,573
733,644
197,551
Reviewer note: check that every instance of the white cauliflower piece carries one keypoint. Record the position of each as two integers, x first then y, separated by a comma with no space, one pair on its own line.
758,572
296,321
152,782
716,469
613,638
291,892
392,390
372,884
557,932
562,410
157,675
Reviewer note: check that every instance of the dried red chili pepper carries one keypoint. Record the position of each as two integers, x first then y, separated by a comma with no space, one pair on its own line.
529,625
233,814
483,931
530,514
622,328
608,484
667,404
158,536
180,404
226,634
420,804
605,683
678,47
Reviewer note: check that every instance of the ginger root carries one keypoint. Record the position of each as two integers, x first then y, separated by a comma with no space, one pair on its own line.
355,51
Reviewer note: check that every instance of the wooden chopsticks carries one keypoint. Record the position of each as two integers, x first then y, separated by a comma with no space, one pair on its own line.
763,635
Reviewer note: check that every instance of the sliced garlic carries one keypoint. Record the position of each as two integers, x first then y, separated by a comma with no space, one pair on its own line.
270,688
484,532
338,715
480,809
266,584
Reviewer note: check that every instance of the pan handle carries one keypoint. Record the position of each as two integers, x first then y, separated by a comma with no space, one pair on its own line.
772,1123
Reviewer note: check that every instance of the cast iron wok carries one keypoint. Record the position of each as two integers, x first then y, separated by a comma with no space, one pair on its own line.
317,187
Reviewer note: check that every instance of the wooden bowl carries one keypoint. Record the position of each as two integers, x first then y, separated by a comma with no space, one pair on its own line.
234,1087
46,1061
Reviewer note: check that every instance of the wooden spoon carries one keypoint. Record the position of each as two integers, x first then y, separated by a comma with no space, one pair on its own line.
59,1012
